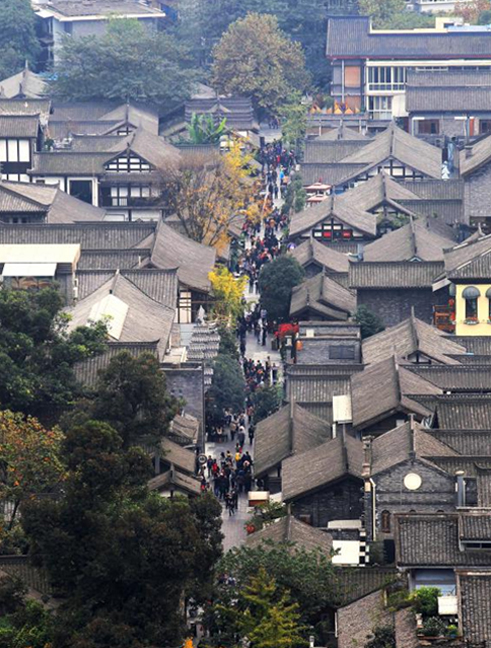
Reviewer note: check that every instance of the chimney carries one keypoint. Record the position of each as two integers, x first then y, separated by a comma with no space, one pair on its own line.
468,151
367,457
460,487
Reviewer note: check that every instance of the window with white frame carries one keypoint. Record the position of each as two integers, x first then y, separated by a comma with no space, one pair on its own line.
380,107
386,78
128,163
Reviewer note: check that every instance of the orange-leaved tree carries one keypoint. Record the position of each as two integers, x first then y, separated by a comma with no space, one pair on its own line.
30,460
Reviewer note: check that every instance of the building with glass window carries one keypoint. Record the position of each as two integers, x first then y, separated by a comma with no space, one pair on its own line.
370,67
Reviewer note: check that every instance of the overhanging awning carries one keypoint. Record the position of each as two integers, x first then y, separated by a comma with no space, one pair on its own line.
29,270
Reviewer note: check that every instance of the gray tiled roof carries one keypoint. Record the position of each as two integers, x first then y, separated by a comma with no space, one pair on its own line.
238,111
477,266
379,189
323,295
475,525
155,326
351,37
353,583
471,443
86,372
421,239
435,189
480,154
193,260
327,151
113,259
26,126
25,83
397,446
186,483
289,431
463,378
334,173
432,540
181,458
468,464
454,90
290,530
24,106
315,468
407,338
479,345
333,207
474,588
385,388
484,485
342,132
394,274
312,251
307,388
463,412
104,235
73,8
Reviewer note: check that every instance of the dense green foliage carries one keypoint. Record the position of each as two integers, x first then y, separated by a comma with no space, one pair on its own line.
370,323
227,387
266,401
393,14
37,353
276,281
203,23
128,62
383,637
295,197
123,558
204,130
18,42
425,600
23,623
309,577
293,116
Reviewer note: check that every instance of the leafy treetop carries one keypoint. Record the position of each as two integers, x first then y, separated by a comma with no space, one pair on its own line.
18,41
276,281
128,62
254,57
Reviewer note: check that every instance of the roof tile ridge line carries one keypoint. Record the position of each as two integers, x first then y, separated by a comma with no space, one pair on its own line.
414,330
344,450
412,437
19,195
397,379
124,276
289,524
114,281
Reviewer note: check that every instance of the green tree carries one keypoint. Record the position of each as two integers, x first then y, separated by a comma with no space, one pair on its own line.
295,197
370,323
30,461
18,40
254,57
227,387
308,576
266,401
294,122
128,62
131,395
37,353
105,513
276,281
383,637
392,14
204,130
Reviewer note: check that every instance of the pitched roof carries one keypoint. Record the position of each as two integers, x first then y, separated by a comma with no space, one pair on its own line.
181,458
419,239
26,126
187,483
75,8
124,303
289,431
351,36
151,147
408,337
63,162
306,389
471,443
384,388
87,371
238,111
312,251
479,345
394,274
397,446
320,466
25,83
325,296
460,378
332,173
59,207
326,151
25,106
397,144
432,540
470,260
333,207
484,485
290,530
474,589
463,412
454,89
193,260
90,236
480,154
353,583
379,189
475,525
113,259
342,132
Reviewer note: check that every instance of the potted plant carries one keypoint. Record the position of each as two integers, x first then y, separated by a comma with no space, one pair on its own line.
434,627
452,631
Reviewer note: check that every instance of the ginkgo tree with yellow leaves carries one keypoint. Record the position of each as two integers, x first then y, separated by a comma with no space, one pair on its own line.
210,194
228,292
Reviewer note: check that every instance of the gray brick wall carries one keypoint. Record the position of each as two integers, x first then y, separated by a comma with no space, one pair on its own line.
394,305
187,382
356,622
342,501
477,194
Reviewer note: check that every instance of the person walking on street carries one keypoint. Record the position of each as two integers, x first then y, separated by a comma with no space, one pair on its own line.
241,437
251,433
